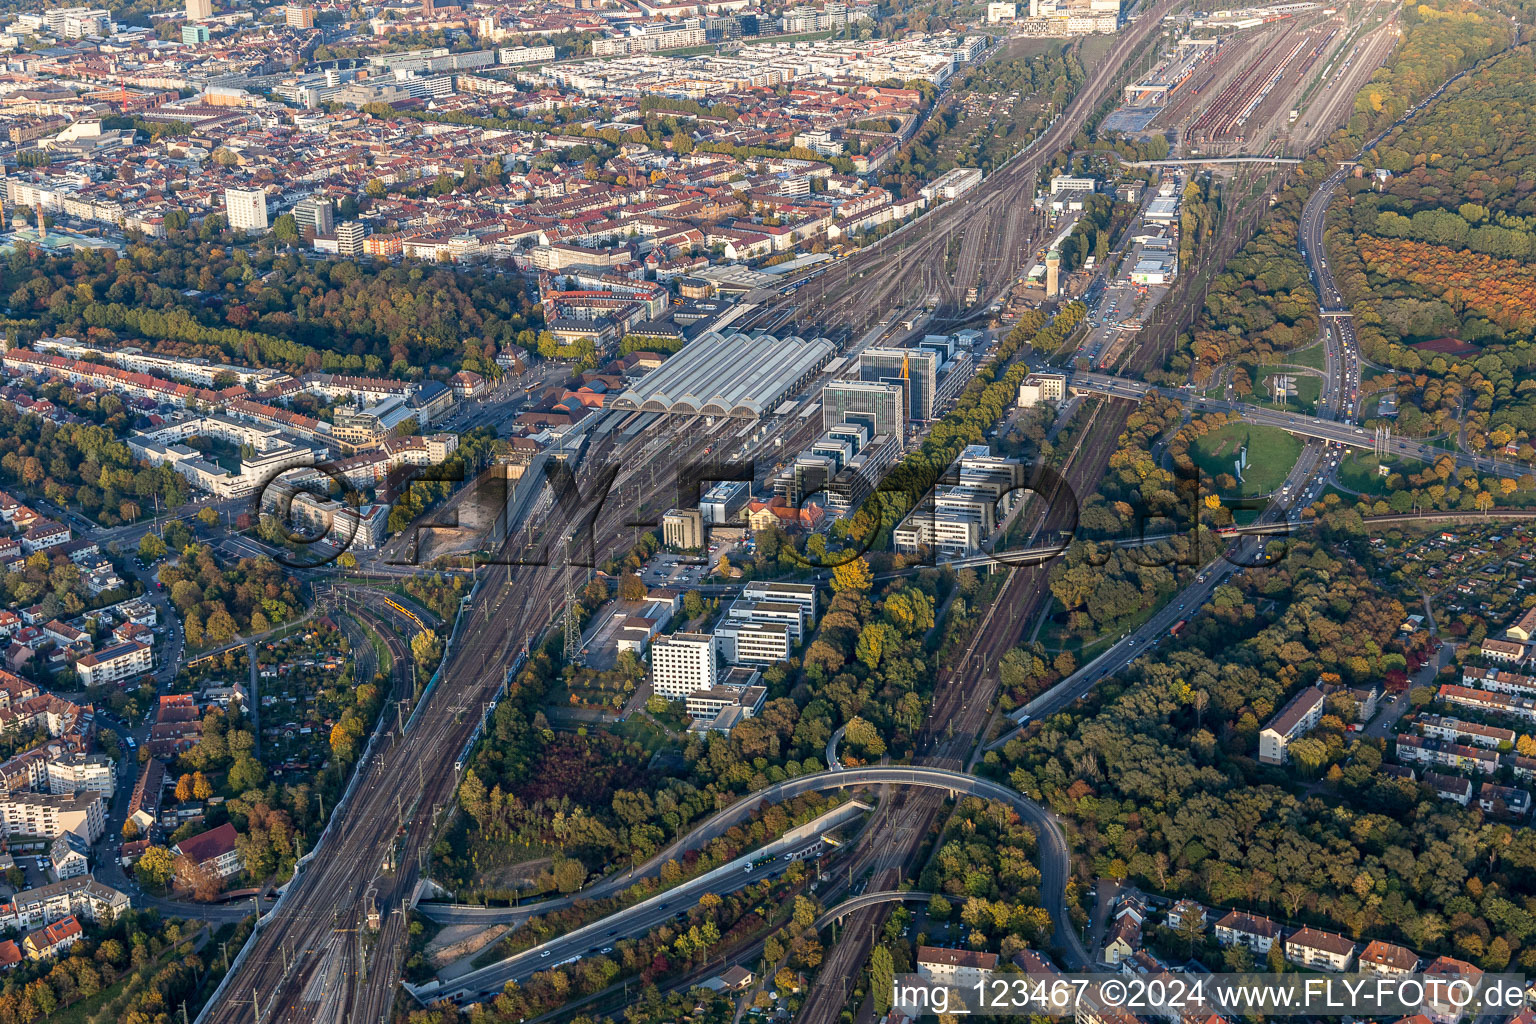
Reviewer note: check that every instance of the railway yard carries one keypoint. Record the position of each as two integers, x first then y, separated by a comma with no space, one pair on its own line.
1277,87
994,227
311,960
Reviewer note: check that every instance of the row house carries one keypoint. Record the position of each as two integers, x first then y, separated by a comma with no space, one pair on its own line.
1499,681
1484,700
1418,750
1456,730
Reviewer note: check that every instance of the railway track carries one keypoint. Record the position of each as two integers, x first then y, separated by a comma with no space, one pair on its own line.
907,265
1222,112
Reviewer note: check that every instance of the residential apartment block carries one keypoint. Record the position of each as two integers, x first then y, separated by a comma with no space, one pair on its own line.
1251,930
1445,754
1490,737
956,968
119,661
1486,700
1320,950
1499,681
82,896
46,816
1300,714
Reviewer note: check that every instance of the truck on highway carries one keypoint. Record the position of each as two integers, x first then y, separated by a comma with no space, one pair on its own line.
1178,627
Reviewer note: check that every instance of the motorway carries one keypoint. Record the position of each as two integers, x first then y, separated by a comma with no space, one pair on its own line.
1303,484
1341,355
956,702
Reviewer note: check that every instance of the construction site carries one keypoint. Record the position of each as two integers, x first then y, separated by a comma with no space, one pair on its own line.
1258,81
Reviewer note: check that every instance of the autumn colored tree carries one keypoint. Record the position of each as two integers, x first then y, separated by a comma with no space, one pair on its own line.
853,574
155,868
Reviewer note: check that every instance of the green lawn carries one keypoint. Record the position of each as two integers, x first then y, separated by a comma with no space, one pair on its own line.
1311,356
1025,47
1095,49
1308,391
1271,454
1358,472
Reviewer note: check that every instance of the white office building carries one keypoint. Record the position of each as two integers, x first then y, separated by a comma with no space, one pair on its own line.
802,594
682,663
786,612
753,643
723,502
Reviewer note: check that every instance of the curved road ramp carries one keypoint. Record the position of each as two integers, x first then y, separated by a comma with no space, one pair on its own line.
1055,868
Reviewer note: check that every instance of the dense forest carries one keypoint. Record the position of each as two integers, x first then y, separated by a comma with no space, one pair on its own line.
983,875
136,970
1262,303
1441,37
948,139
1158,777
216,603
1475,144
84,466
1436,260
198,294
598,798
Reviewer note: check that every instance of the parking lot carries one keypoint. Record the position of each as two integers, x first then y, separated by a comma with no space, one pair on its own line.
677,572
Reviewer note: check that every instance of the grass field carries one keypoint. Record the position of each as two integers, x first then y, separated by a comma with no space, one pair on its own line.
1311,356
1271,454
1358,473
1095,49
1308,391
1029,46
384,661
